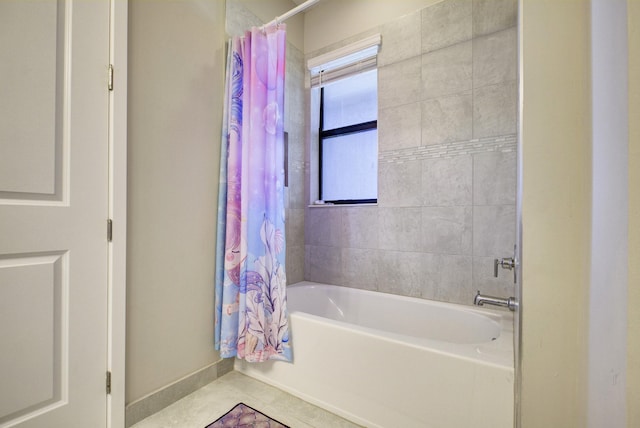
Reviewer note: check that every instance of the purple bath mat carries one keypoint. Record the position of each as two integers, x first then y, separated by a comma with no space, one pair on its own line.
243,416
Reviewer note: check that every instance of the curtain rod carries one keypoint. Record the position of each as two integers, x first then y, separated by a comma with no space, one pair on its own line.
291,13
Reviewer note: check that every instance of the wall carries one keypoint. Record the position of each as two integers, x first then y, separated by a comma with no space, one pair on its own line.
607,361
556,205
176,63
239,19
447,161
633,308
330,21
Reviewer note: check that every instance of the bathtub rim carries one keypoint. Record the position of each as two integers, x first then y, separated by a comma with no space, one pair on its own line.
498,353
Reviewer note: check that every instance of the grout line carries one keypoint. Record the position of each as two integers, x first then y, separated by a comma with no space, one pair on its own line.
503,143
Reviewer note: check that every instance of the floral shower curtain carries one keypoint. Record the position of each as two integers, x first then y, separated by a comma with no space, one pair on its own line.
251,313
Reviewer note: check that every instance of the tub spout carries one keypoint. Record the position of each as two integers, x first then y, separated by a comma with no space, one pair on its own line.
481,300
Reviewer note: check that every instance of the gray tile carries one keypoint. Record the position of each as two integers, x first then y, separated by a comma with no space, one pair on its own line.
311,173
400,39
324,264
296,188
490,16
400,229
399,127
446,23
447,181
295,263
248,387
288,419
360,227
360,268
494,178
295,59
295,227
494,230
495,58
323,226
447,119
238,19
399,184
494,110
296,142
400,273
215,399
290,406
447,230
447,71
287,205
288,102
447,278
307,261
399,83
483,278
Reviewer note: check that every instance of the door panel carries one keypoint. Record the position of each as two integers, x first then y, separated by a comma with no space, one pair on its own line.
32,36
53,210
32,305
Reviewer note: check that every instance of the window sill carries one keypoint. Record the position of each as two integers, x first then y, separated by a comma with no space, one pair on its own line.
328,205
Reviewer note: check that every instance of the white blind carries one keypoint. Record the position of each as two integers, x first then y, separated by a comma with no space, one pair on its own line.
348,60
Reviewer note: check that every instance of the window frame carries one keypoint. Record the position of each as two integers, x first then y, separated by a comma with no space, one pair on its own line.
337,132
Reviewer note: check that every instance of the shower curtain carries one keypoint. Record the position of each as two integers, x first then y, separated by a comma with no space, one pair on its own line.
251,319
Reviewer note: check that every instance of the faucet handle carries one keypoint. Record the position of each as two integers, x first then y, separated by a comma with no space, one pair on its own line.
506,263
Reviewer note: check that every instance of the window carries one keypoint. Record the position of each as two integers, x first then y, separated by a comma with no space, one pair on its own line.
344,95
348,146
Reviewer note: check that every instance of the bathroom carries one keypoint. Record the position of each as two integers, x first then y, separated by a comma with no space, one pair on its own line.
532,115
557,240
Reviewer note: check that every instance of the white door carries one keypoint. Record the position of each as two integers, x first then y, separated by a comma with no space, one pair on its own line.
53,212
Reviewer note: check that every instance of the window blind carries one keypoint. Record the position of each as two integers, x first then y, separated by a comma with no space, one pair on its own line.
346,61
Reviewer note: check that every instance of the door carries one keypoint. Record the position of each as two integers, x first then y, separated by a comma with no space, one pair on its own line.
53,212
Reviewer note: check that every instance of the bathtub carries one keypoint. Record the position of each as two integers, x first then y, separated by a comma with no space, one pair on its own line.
381,360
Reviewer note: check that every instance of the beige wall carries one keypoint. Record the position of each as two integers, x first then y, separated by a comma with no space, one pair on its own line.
633,337
556,141
331,21
176,65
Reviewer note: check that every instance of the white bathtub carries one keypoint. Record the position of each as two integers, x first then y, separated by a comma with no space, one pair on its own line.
382,360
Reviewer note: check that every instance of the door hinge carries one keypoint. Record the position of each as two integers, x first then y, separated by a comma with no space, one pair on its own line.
108,382
109,230
110,83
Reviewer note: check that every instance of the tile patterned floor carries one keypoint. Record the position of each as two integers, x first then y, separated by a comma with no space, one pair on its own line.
207,404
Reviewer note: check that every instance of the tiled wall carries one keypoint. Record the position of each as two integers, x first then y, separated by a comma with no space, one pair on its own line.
238,20
447,161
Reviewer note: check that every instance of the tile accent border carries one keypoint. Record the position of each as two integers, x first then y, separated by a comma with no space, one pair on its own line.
164,397
502,143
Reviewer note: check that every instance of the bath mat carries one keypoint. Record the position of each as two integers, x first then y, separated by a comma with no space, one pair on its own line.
243,416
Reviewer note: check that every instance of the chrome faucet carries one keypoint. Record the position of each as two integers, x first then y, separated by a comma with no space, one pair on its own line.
509,303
